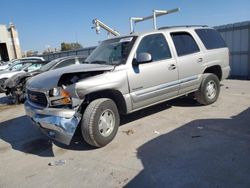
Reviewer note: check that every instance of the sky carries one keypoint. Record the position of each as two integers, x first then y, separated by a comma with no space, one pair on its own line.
43,23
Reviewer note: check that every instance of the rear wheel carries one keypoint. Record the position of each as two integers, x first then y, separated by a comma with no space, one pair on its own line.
209,89
100,122
2,88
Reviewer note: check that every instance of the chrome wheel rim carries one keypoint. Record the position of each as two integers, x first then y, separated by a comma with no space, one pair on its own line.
211,89
106,123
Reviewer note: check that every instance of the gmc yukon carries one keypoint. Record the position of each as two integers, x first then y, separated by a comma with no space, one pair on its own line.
126,74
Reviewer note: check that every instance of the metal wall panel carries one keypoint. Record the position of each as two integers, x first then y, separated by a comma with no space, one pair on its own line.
238,40
244,40
83,51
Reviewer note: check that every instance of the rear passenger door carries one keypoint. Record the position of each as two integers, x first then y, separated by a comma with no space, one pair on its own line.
189,59
157,80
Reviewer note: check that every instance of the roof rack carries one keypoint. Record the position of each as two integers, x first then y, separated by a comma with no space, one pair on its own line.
156,13
169,27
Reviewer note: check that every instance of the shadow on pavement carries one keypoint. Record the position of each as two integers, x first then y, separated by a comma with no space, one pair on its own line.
23,136
4,100
202,153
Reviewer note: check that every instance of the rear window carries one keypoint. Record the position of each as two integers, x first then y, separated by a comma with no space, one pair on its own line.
184,43
211,38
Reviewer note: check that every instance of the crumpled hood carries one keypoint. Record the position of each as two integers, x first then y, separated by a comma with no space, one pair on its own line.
49,80
15,80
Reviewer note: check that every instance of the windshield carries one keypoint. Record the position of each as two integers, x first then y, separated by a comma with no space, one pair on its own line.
49,65
112,52
18,66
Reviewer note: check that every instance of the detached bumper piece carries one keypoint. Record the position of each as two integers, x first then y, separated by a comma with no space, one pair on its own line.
57,124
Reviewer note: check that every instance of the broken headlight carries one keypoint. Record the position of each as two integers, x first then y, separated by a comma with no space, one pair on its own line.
59,96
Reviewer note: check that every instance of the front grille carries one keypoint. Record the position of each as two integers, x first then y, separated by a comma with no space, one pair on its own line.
37,98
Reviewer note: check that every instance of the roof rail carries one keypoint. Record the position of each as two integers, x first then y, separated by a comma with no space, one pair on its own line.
168,27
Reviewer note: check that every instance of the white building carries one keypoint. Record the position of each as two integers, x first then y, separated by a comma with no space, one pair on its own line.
9,43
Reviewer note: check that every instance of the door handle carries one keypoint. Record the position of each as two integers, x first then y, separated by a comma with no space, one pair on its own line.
199,60
172,67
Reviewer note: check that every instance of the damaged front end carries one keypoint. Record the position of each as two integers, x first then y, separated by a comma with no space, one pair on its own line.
53,103
15,87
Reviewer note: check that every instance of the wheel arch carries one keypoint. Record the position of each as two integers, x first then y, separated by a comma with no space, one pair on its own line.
215,69
115,95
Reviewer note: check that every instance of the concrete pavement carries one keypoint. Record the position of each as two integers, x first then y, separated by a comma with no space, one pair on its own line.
175,144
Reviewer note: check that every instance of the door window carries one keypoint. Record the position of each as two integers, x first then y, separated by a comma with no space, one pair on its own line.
156,45
184,43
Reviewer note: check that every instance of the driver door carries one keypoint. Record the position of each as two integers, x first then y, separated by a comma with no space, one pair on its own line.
157,80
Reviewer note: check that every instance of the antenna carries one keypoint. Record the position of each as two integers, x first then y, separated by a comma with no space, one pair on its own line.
98,25
156,13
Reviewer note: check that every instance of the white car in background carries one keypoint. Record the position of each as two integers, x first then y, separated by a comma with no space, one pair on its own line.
6,65
22,66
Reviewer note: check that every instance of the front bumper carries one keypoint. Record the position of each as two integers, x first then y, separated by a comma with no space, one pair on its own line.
57,124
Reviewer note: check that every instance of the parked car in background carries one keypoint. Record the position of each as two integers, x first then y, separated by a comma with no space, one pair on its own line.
15,85
19,67
2,62
126,74
6,65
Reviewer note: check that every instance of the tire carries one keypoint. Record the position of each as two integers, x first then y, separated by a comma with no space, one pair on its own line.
94,125
209,89
15,99
2,89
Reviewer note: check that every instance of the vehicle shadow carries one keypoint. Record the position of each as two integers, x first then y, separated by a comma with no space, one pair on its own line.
4,100
202,153
23,136
78,143
144,112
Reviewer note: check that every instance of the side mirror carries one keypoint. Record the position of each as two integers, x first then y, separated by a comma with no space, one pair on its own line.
142,58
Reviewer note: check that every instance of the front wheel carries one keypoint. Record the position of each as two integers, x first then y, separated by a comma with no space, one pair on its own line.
209,89
2,88
100,122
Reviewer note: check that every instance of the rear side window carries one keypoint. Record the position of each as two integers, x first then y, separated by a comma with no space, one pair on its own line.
184,43
156,45
211,38
65,63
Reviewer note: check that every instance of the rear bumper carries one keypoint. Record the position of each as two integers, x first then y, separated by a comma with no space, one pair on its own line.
57,124
225,72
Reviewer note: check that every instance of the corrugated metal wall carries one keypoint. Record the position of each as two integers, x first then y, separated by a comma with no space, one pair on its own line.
83,51
237,37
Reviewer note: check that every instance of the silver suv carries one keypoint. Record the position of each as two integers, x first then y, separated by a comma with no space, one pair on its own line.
126,74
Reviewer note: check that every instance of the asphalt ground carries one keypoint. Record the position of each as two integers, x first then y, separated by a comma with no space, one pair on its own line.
175,144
